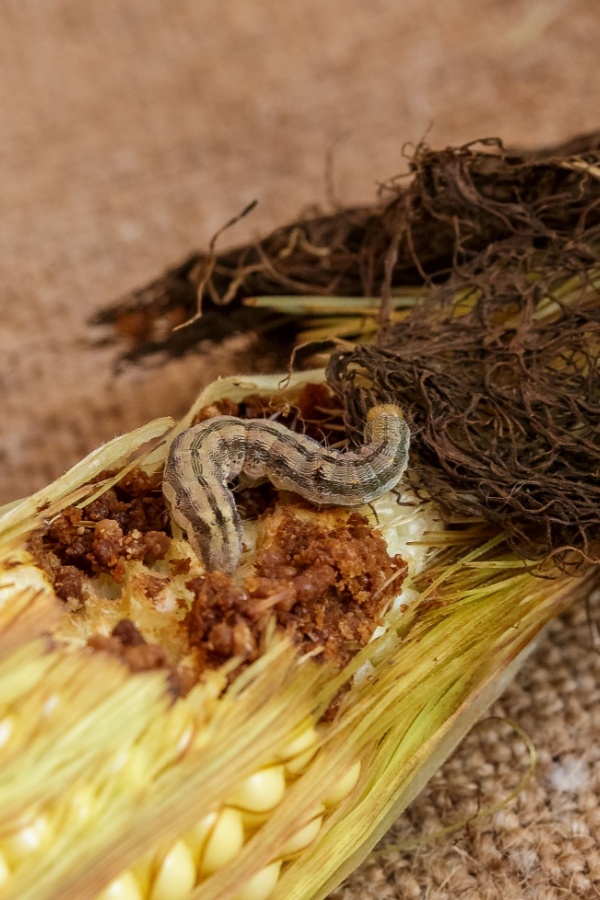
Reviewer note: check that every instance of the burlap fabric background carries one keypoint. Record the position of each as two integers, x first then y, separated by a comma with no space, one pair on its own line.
130,131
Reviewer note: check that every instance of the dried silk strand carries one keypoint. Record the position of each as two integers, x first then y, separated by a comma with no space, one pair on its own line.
203,459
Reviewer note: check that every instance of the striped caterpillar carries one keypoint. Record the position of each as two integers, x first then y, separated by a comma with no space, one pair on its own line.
203,459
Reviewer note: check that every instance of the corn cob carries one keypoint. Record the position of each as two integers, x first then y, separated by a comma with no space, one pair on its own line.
242,788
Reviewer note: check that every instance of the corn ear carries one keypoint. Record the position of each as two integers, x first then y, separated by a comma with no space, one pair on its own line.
241,789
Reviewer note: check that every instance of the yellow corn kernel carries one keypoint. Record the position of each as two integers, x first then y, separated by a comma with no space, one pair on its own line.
120,760
252,821
4,870
125,887
7,727
50,704
343,786
133,761
261,885
198,836
261,791
185,739
27,840
303,837
81,804
225,842
176,874
299,752
143,871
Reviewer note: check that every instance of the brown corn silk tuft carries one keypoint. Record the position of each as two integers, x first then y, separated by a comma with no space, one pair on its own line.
498,368
501,389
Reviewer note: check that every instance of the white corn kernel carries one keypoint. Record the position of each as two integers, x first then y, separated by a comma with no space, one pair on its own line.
302,838
305,739
261,791
261,885
225,842
125,887
176,875
27,840
343,786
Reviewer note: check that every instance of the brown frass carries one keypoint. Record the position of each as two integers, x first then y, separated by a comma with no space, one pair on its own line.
128,644
325,587
128,521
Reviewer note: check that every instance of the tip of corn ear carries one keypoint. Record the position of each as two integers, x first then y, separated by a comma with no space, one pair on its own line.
115,785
